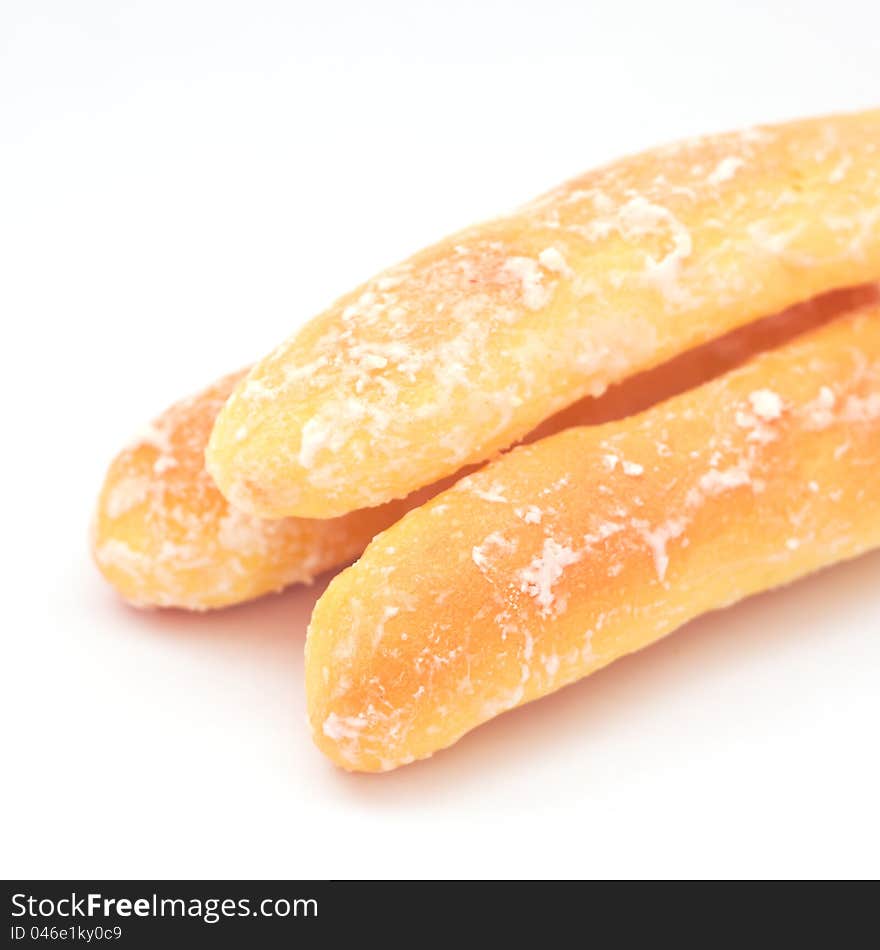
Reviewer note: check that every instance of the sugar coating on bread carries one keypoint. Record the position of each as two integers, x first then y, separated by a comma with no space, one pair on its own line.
568,553
461,350
164,536
157,489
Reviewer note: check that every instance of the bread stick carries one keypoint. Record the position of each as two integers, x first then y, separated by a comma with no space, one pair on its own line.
458,352
566,554
164,536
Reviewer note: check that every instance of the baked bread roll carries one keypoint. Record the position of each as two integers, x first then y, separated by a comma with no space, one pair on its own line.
460,351
164,536
566,554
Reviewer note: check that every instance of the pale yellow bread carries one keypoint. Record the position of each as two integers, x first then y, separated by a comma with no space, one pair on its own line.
165,536
695,367
568,553
461,350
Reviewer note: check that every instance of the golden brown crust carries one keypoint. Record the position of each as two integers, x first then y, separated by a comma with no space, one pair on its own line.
568,553
461,350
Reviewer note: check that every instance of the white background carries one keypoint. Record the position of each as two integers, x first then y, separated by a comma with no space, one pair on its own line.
181,183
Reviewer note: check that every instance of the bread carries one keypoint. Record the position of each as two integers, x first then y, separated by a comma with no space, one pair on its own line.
164,535
563,555
460,351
